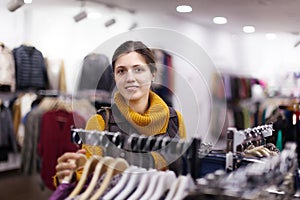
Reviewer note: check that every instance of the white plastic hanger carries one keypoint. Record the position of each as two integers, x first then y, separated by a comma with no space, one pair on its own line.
151,187
164,183
116,167
187,183
100,169
144,183
134,180
87,170
174,188
121,184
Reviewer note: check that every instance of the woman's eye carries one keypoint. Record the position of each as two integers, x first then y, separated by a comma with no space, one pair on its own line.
120,71
139,69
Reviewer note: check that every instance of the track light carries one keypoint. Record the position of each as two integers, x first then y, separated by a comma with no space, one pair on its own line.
80,16
133,26
110,22
13,5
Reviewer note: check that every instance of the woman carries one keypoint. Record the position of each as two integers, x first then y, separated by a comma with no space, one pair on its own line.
146,113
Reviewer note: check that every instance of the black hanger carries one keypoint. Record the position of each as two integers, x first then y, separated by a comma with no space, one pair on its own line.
118,140
141,143
149,144
132,142
157,145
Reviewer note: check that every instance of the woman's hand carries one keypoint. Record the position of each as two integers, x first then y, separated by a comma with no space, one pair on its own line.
66,164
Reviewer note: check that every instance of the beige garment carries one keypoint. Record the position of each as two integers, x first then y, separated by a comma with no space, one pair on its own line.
62,78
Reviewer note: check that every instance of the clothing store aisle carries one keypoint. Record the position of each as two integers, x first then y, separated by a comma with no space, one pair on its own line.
16,186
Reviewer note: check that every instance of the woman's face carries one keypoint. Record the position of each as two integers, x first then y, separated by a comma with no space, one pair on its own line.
133,76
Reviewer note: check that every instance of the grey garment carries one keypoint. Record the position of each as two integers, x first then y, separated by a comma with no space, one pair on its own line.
96,73
29,156
7,135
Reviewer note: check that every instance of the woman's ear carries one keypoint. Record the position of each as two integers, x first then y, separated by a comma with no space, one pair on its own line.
153,76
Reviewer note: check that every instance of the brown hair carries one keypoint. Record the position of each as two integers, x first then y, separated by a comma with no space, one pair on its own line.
140,48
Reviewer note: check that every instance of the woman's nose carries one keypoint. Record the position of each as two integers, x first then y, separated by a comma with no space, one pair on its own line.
130,76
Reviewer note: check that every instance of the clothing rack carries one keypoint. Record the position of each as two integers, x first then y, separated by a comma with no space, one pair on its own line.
271,178
244,138
116,145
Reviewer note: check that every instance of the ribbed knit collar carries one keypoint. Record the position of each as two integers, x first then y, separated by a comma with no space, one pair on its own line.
153,121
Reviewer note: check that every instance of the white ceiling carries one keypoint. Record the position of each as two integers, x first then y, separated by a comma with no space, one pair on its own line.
265,15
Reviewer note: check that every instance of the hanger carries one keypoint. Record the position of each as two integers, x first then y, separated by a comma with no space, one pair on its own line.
79,164
134,180
141,143
174,187
100,169
88,168
151,185
187,182
164,183
157,145
47,103
118,166
143,184
121,184
149,144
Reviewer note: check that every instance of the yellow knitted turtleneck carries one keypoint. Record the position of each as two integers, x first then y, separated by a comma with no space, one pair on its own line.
154,121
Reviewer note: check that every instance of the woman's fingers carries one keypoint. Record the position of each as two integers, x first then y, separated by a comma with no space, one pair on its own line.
81,151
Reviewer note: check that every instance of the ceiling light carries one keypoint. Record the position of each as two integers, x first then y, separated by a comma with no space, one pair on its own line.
13,5
109,22
249,29
80,16
133,26
94,15
27,1
220,20
271,36
184,9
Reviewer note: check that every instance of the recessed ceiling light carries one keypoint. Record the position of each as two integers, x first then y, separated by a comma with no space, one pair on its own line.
249,29
271,36
94,15
184,9
27,1
220,20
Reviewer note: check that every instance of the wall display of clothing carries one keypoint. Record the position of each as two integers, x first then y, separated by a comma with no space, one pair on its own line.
8,141
7,69
236,94
96,73
164,81
47,133
283,112
56,74
31,73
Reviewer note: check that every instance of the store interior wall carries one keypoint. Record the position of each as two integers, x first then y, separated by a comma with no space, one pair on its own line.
53,31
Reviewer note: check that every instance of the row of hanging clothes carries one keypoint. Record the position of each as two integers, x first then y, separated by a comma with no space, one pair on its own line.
25,68
283,112
126,173
46,132
242,148
8,141
270,178
189,160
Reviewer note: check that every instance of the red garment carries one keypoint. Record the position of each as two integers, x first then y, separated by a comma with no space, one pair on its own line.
55,140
